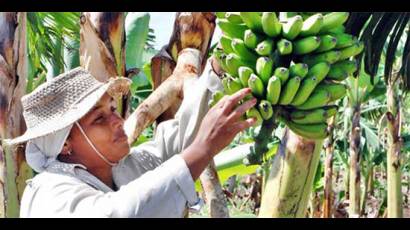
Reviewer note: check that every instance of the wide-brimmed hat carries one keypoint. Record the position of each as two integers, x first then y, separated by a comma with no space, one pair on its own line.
64,100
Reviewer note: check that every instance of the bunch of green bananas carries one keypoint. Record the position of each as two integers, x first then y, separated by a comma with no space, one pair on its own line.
294,65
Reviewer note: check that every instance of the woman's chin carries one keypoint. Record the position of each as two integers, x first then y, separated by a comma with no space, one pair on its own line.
122,147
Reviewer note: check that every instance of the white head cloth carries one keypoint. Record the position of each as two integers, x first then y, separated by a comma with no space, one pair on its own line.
41,151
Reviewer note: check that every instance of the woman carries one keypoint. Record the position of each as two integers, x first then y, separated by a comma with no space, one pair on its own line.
86,168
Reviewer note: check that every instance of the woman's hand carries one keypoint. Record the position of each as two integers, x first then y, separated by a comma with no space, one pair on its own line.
218,128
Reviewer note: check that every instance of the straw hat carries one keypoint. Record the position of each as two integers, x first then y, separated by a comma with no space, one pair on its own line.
64,100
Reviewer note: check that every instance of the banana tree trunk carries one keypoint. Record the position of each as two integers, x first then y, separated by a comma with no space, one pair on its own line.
14,171
193,30
290,182
354,181
394,193
328,191
367,185
102,48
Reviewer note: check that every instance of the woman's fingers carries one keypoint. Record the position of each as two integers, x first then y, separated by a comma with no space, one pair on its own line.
233,100
242,125
240,110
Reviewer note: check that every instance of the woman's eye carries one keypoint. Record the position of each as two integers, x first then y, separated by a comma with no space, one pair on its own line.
99,119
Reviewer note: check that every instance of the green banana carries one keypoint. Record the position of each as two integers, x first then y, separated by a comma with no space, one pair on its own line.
298,69
337,74
306,88
284,46
336,90
337,30
233,62
312,25
252,20
265,109
319,98
344,40
273,90
309,131
306,45
292,28
331,57
306,15
252,39
233,17
240,49
220,56
253,112
256,85
350,66
230,29
342,69
315,116
282,73
290,90
319,70
226,42
244,73
265,47
216,96
351,51
224,81
264,68
270,24
327,42
333,20
234,85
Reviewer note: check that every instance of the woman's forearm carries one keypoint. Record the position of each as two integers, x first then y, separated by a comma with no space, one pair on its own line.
196,157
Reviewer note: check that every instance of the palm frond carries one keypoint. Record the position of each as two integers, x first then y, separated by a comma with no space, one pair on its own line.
46,32
381,32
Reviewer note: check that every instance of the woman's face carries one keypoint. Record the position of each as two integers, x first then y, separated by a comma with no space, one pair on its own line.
104,127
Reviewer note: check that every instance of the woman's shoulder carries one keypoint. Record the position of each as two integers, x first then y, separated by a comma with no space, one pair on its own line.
51,179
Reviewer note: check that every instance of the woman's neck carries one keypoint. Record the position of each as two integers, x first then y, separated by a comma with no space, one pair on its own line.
104,174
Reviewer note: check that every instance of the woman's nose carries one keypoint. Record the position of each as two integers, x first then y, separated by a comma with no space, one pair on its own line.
116,120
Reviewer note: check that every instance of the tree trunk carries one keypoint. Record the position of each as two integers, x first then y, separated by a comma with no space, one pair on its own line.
102,49
214,195
367,186
290,182
394,193
328,190
193,30
14,171
354,185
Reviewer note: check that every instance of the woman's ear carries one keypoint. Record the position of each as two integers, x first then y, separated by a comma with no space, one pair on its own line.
67,148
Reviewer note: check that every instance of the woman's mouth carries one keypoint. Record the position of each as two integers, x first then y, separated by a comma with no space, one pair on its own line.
120,136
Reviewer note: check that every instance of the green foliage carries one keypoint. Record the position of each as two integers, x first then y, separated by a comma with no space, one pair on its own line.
48,34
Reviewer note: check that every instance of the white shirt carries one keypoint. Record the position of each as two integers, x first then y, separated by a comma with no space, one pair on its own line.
153,180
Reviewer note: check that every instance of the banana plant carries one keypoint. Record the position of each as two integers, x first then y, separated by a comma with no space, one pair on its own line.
359,92
51,38
386,32
14,171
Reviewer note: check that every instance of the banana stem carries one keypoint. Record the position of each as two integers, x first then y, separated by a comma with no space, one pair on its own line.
328,192
394,193
354,185
262,140
290,181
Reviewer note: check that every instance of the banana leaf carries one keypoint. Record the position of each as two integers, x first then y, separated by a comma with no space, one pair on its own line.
382,32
